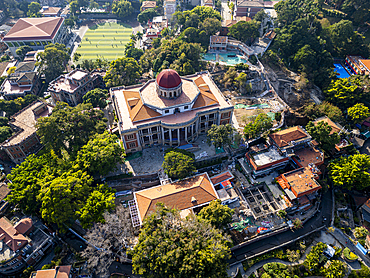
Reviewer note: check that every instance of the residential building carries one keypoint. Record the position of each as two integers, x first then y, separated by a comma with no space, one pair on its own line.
4,191
365,209
307,156
3,68
354,63
63,271
365,64
71,87
266,159
223,184
207,3
2,15
224,43
51,11
248,8
300,183
185,195
23,244
25,140
25,80
169,7
170,110
148,5
4,29
290,139
36,33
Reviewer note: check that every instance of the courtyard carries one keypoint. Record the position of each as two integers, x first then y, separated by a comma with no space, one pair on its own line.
105,40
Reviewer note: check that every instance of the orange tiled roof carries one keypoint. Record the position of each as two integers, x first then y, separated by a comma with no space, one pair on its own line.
149,4
221,177
176,195
51,10
10,236
34,28
24,225
301,181
335,128
138,111
284,137
218,39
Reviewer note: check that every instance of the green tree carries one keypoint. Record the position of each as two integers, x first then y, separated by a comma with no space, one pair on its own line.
170,246
11,70
335,269
34,10
221,135
76,57
245,31
351,172
178,165
297,224
211,26
69,128
5,133
93,5
360,232
74,7
321,133
146,15
53,60
27,272
122,8
314,111
62,196
260,124
99,201
22,51
358,112
216,214
123,71
97,97
101,154
364,272
313,258
282,213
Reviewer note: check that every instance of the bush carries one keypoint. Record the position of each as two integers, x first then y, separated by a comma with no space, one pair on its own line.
349,255
185,152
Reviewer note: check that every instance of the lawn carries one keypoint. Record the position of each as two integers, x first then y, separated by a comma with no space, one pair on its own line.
105,40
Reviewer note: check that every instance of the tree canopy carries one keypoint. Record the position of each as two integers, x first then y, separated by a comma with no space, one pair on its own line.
101,154
34,10
358,112
122,8
178,165
172,247
258,125
22,51
351,172
69,128
220,135
146,15
321,133
53,60
314,111
97,97
216,214
244,31
123,71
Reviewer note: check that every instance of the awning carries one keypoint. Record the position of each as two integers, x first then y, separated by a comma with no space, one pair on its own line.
226,184
361,248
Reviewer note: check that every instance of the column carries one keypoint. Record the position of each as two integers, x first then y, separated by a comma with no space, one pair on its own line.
162,130
186,134
170,131
178,136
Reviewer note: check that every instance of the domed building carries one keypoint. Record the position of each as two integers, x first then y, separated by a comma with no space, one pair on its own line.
169,110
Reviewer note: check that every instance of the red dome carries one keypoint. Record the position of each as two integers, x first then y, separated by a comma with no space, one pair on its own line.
168,78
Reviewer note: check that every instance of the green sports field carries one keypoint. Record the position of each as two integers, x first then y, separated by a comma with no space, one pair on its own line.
106,40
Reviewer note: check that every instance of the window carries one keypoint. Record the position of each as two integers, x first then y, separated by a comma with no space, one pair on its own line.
43,42
130,136
186,107
131,145
16,44
9,44
166,111
38,43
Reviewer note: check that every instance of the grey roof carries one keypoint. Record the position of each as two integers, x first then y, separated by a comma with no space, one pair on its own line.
25,67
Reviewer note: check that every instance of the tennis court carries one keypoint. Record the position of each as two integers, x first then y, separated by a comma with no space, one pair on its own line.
105,40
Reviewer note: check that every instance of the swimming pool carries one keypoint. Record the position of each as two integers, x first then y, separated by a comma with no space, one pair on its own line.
229,58
341,71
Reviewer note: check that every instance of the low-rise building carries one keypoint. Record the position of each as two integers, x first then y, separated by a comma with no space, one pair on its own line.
4,191
266,159
36,33
71,87
23,243
290,139
63,271
225,43
148,5
365,209
19,84
50,11
248,8
2,15
308,155
169,7
300,182
207,3
25,140
185,195
170,110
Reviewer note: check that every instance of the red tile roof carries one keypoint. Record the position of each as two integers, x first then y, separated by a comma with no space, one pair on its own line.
34,28
177,195
10,236
222,177
284,137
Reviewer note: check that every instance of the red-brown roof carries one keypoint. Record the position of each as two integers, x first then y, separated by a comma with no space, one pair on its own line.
149,4
51,11
34,28
24,225
177,195
222,177
10,236
284,137
168,78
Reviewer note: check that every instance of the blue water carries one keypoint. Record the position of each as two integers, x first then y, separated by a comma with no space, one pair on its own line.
341,71
223,57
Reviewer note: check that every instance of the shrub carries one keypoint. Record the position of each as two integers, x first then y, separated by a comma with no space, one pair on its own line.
349,255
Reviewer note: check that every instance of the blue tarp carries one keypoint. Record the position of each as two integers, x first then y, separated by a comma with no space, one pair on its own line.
184,147
361,248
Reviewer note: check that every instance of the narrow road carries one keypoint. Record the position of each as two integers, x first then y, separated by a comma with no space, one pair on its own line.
225,14
259,247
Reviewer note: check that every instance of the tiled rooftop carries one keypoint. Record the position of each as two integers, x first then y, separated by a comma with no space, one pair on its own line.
285,137
309,155
302,180
10,89
26,120
335,127
182,195
219,39
149,4
78,74
222,177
